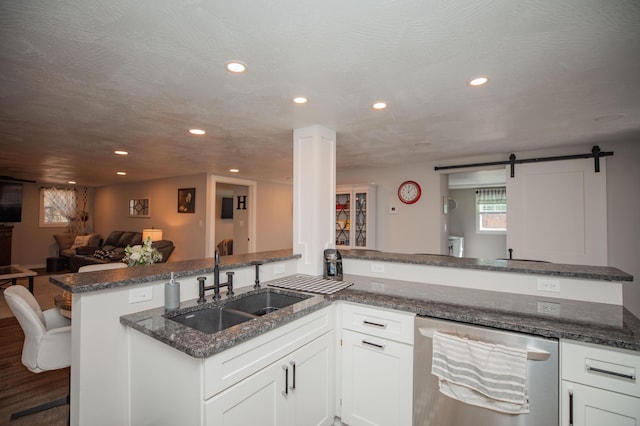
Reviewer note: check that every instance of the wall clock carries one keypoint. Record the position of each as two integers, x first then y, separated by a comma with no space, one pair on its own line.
409,192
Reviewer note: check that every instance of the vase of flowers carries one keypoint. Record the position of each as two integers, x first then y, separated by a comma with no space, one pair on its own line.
143,254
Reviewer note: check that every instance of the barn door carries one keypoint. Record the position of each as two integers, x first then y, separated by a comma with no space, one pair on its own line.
557,211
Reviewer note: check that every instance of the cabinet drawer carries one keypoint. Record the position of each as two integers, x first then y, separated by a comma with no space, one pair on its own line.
600,366
379,322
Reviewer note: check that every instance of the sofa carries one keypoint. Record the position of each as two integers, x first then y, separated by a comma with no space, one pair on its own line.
112,250
68,242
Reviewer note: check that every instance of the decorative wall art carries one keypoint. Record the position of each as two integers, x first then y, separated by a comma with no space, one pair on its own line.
139,207
186,200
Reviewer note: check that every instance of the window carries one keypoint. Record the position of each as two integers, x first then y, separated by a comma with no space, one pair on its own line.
57,206
491,210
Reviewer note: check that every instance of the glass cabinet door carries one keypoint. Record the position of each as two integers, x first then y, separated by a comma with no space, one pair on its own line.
343,219
361,220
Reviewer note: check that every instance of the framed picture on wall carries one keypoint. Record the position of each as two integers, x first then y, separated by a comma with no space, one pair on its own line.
186,200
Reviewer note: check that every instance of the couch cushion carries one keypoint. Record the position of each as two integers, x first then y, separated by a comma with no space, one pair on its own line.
129,239
113,238
64,240
80,240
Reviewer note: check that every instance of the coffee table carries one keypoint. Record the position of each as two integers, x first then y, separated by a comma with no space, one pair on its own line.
11,273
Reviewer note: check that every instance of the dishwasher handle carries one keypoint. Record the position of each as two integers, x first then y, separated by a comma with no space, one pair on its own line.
532,353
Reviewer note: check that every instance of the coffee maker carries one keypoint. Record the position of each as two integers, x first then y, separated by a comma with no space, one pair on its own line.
332,265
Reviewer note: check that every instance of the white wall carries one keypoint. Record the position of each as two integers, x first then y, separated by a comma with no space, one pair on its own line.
623,215
274,216
417,228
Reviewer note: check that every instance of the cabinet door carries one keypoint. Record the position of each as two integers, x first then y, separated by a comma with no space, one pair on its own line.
310,399
257,400
591,406
343,219
377,381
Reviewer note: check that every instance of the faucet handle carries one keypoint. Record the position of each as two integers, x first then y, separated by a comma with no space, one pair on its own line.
230,283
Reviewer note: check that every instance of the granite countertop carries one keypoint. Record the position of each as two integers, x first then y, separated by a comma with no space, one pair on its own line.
599,323
112,278
605,273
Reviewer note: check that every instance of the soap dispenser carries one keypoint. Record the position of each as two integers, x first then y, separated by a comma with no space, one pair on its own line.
172,294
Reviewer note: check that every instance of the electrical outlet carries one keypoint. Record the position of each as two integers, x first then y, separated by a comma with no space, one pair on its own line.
375,285
143,294
393,210
278,269
377,267
548,284
549,308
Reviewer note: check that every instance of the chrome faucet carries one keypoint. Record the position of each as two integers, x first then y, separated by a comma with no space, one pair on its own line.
216,279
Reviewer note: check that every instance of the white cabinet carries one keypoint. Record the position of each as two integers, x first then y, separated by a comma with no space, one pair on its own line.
599,385
355,216
295,390
377,366
245,384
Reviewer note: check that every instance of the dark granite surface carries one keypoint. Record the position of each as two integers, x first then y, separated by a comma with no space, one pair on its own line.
100,280
598,323
604,273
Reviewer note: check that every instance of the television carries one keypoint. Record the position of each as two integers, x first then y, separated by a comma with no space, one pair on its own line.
227,208
10,202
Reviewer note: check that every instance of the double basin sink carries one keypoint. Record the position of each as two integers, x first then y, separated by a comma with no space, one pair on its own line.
236,311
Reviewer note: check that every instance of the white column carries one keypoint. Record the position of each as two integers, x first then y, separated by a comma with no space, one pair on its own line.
314,195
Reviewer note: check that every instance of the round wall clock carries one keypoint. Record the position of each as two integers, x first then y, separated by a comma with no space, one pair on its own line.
409,192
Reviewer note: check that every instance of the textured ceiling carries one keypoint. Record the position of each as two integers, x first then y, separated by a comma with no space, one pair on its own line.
79,79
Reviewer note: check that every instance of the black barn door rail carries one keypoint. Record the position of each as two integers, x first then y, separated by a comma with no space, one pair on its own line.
596,154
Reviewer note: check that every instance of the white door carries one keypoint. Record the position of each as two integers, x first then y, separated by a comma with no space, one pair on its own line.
557,211
256,400
311,397
377,381
596,407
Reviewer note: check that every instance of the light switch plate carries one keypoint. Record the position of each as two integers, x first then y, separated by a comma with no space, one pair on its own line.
278,269
377,267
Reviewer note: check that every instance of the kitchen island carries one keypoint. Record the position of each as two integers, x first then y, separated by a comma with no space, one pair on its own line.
442,288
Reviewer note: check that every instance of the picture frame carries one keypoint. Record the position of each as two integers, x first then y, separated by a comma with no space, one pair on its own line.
186,200
140,207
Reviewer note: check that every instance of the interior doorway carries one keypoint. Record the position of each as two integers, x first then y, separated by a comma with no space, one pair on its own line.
232,236
239,226
464,238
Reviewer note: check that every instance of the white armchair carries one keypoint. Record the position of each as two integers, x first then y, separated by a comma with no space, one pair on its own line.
47,339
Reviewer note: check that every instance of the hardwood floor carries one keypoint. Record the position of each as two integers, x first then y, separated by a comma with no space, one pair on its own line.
21,389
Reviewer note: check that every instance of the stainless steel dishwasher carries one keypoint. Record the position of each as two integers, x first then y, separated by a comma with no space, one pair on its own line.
432,408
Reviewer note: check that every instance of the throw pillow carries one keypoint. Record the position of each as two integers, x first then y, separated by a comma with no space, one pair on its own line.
81,240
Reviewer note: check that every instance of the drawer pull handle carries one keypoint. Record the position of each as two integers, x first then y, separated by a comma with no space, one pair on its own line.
374,324
611,373
375,345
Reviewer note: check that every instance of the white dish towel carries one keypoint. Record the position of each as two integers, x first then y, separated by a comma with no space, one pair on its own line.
481,374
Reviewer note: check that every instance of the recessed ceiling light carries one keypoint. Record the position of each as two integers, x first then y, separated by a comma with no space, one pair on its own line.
234,170
197,132
300,100
121,152
235,67
72,182
479,81
379,105
121,173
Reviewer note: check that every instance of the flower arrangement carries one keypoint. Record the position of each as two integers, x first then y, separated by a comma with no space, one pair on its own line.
143,254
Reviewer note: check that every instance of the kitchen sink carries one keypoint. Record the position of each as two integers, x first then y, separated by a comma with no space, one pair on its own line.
211,320
263,303
217,318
